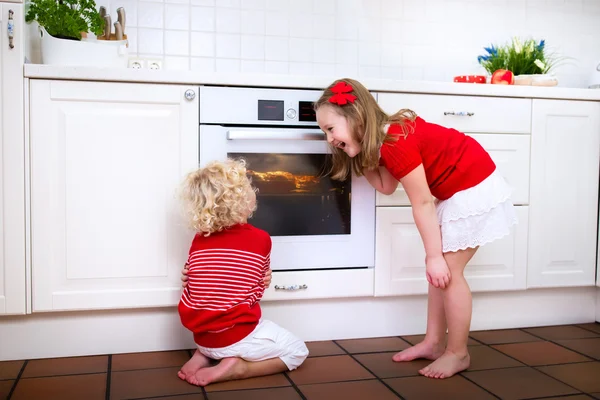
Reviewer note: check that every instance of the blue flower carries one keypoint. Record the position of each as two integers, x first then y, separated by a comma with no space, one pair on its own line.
491,50
540,46
480,59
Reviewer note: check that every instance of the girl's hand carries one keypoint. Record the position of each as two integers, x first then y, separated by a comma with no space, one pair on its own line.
184,277
267,278
438,273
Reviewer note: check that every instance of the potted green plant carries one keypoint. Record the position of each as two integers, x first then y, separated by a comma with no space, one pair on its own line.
66,19
526,59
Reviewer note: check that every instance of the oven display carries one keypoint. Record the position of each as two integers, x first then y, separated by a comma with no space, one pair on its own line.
307,112
270,110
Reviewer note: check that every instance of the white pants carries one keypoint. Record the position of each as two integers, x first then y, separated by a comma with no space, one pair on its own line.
268,340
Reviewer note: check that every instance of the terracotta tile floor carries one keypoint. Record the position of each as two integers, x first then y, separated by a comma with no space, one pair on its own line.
560,362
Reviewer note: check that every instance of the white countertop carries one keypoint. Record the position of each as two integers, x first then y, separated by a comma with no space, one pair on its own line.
39,71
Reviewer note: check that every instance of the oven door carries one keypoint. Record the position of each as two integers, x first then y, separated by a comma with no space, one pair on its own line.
314,221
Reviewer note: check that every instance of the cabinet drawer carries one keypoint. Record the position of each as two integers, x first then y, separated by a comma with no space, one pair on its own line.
511,155
320,284
400,257
464,113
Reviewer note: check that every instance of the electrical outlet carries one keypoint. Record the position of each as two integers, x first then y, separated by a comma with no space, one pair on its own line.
154,64
136,63
145,63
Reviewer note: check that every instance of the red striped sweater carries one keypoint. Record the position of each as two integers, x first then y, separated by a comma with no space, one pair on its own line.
226,269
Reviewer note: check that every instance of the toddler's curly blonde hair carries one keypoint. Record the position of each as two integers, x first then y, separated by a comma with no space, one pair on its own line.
218,196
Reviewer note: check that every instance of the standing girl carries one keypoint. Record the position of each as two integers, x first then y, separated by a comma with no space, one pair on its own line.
472,203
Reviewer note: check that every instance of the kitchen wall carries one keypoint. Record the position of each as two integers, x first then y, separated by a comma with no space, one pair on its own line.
400,39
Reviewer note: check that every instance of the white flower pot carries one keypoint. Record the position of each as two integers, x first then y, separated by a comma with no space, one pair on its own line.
89,53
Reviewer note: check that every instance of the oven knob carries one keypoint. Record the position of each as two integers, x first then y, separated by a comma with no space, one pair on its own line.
291,113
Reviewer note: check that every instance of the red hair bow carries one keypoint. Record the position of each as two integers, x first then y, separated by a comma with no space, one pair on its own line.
341,94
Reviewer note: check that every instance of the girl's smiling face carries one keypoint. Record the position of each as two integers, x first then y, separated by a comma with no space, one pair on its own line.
337,130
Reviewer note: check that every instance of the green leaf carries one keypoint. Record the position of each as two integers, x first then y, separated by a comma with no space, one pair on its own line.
66,18
521,62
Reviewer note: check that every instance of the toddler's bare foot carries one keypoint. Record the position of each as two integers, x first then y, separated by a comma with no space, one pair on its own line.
428,350
197,361
228,369
447,365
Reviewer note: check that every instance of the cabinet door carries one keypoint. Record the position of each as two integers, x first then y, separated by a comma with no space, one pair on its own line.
511,155
12,165
106,162
400,257
565,147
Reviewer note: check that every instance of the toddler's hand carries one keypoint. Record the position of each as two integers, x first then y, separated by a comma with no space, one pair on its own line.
437,271
267,278
184,277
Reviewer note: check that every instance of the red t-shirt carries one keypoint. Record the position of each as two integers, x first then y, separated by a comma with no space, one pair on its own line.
226,270
452,160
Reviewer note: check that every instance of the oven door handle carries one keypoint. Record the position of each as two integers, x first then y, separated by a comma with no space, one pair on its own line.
276,134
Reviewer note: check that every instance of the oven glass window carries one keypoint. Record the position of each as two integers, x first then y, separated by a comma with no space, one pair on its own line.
294,195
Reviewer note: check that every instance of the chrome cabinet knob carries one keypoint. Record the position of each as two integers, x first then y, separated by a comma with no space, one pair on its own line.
190,94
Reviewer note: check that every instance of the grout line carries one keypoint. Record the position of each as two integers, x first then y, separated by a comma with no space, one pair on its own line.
254,389
108,376
589,330
405,341
561,396
542,372
77,374
477,384
564,347
371,372
162,396
14,386
491,369
296,388
479,342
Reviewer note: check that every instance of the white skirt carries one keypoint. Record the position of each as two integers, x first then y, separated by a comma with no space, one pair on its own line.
478,215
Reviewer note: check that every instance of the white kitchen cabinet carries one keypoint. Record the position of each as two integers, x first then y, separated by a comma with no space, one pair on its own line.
12,162
106,162
565,152
469,114
511,155
400,257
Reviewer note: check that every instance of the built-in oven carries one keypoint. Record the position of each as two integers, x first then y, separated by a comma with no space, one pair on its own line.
315,222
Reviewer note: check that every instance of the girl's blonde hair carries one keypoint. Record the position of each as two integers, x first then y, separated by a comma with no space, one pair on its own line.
366,121
218,196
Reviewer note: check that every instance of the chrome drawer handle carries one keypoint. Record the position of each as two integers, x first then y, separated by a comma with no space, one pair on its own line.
291,288
459,113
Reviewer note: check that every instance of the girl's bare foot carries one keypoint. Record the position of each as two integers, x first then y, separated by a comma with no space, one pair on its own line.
425,349
447,365
227,369
197,361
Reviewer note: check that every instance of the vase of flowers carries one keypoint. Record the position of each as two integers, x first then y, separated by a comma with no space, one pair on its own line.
528,60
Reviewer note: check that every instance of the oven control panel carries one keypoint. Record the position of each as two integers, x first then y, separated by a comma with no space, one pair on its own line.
228,105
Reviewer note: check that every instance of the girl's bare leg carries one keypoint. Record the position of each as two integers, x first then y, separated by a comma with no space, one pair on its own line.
236,368
433,345
458,309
